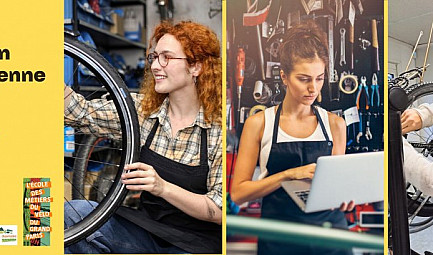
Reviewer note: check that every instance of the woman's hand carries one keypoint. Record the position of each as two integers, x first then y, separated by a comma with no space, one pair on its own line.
143,178
347,207
302,172
410,121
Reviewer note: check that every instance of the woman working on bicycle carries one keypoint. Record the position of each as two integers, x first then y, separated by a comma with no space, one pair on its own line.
418,169
180,168
288,139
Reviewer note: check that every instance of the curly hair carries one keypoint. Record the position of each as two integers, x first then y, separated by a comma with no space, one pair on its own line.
305,41
200,45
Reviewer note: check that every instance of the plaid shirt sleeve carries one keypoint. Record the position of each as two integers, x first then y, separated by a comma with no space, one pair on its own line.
97,116
214,181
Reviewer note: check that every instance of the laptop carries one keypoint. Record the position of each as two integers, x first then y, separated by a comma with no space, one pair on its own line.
338,179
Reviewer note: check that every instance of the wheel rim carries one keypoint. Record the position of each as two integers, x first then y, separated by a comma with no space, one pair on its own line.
129,141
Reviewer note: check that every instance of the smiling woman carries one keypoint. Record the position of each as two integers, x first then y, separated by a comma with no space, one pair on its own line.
200,46
179,172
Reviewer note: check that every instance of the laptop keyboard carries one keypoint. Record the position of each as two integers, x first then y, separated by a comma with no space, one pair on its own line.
303,195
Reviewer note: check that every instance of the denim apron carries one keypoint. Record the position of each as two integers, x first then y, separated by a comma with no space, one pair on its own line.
168,224
278,205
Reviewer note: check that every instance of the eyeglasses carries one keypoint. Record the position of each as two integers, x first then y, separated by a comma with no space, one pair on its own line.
162,58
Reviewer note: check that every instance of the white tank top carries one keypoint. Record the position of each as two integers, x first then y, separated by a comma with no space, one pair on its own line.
266,143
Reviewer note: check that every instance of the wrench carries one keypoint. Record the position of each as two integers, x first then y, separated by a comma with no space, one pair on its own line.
368,134
333,77
342,47
359,135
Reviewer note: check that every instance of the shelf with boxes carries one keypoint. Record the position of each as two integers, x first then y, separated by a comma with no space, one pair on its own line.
107,39
104,30
111,27
116,28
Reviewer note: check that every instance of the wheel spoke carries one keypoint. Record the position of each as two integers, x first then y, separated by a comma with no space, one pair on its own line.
99,147
411,218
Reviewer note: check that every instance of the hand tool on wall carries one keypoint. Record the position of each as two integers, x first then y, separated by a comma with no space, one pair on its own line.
368,134
244,114
359,135
231,70
334,94
351,45
278,97
254,17
332,73
342,46
375,48
374,91
364,43
362,87
257,108
240,74
262,93
262,60
338,11
278,27
348,80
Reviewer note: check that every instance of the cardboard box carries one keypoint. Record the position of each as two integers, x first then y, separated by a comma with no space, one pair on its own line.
68,190
117,28
143,35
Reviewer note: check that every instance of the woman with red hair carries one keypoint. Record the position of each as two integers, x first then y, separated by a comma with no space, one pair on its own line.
180,168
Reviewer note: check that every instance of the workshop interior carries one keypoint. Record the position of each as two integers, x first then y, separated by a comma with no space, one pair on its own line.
119,30
353,87
105,49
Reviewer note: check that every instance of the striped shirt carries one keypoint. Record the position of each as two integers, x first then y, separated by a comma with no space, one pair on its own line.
99,117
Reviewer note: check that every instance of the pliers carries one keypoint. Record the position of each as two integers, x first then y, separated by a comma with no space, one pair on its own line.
363,86
374,91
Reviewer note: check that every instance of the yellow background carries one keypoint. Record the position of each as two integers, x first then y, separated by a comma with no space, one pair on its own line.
31,125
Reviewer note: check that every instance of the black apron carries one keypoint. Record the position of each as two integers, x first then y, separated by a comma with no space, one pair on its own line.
168,224
278,205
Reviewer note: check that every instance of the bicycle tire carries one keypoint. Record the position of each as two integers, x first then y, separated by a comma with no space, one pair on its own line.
80,165
414,228
124,104
82,177
415,92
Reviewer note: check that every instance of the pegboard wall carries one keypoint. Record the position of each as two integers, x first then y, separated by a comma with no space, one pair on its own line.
258,45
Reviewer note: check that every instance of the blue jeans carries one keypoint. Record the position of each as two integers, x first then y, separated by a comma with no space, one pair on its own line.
117,235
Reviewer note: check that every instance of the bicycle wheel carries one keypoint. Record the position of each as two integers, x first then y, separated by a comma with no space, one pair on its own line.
104,80
422,141
94,158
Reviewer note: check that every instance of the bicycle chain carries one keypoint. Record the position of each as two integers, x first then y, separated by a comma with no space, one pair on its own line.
415,86
422,146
